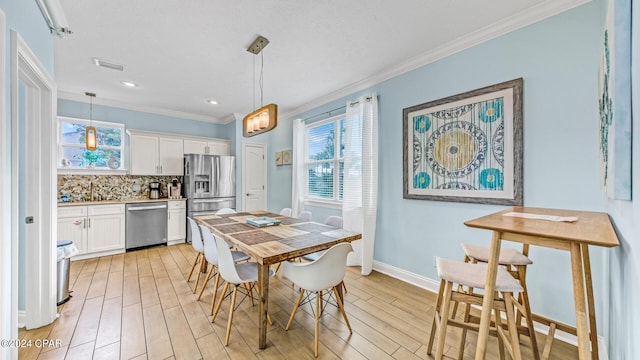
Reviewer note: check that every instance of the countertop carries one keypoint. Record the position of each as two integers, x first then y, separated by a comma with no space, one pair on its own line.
107,202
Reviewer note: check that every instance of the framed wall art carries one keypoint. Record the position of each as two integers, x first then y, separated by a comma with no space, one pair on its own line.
466,147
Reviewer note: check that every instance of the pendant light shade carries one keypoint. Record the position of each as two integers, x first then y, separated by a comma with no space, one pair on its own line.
90,134
91,138
266,117
261,120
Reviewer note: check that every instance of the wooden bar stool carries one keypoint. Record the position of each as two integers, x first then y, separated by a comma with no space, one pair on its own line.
472,275
516,263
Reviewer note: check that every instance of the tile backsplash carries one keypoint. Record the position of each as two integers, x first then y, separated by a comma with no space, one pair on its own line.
110,187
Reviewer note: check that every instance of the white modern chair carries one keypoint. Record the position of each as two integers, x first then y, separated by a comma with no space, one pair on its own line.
305,215
225,211
235,275
285,212
325,273
196,242
211,255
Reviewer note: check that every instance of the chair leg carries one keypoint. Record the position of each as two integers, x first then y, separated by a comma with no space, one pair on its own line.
203,262
247,286
295,309
511,324
498,320
317,327
206,280
432,334
215,293
527,316
341,306
224,291
444,318
463,336
195,262
233,304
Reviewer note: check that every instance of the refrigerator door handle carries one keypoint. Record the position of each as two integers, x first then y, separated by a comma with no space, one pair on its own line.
199,201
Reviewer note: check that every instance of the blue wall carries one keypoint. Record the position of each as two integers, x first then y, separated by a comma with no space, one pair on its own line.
558,59
624,262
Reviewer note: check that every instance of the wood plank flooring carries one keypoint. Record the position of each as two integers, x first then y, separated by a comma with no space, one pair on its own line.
139,305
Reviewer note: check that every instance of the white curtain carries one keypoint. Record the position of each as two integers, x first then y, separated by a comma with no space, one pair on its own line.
359,204
297,181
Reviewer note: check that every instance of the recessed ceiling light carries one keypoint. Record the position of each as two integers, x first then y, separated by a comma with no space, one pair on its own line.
212,102
108,64
128,83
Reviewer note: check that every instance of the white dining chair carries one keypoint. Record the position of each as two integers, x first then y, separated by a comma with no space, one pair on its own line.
224,211
211,255
305,215
235,275
285,212
196,243
326,273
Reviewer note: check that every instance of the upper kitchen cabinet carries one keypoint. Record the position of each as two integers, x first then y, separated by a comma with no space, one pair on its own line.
152,154
206,146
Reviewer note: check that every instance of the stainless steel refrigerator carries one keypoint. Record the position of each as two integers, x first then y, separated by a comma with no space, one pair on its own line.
209,183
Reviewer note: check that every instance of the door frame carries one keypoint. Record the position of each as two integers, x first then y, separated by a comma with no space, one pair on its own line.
40,145
246,144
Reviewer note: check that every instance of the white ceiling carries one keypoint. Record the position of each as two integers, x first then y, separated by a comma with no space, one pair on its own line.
183,53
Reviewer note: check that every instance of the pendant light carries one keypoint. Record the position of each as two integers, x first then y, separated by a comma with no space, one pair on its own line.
266,117
91,138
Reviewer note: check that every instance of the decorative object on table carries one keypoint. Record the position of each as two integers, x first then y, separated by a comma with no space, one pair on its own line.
286,157
266,117
278,158
614,102
263,221
466,147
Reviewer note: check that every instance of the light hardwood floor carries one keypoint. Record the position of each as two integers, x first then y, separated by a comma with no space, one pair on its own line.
139,305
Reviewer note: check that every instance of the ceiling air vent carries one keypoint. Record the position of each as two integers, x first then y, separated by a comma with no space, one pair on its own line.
108,65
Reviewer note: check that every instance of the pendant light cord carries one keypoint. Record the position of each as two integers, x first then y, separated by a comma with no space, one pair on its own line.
261,77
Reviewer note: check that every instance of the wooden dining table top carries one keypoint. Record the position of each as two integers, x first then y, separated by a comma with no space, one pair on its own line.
273,244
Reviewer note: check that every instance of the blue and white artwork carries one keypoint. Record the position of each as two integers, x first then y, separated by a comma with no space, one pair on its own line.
614,101
463,150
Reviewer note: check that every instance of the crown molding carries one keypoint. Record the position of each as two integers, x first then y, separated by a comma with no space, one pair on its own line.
544,10
148,109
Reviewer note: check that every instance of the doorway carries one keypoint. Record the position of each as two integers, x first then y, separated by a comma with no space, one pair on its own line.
254,177
33,189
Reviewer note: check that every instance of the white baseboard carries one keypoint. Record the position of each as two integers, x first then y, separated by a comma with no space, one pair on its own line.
22,319
433,286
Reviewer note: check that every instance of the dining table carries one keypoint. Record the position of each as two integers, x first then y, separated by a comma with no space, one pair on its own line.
568,230
287,239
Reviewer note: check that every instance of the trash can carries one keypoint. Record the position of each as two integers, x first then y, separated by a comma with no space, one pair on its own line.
65,249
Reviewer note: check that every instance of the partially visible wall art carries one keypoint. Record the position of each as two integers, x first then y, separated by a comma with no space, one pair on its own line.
614,102
466,147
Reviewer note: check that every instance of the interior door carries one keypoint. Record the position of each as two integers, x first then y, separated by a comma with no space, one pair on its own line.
254,177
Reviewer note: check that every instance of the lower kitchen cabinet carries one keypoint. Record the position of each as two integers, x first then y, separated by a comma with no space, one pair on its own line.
96,230
176,222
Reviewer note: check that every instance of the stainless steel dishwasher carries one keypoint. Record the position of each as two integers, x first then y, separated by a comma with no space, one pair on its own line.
146,224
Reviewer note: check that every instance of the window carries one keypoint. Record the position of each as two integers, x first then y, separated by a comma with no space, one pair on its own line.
72,153
324,159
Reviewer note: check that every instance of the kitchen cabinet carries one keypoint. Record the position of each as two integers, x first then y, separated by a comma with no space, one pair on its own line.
155,155
206,146
176,222
96,230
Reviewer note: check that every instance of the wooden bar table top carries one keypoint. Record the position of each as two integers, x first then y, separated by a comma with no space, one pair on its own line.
273,244
591,228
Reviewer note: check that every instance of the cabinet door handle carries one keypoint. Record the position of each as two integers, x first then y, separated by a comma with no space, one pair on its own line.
77,222
84,223
89,222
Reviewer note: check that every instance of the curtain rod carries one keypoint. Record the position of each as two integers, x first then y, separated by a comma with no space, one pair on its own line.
368,98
